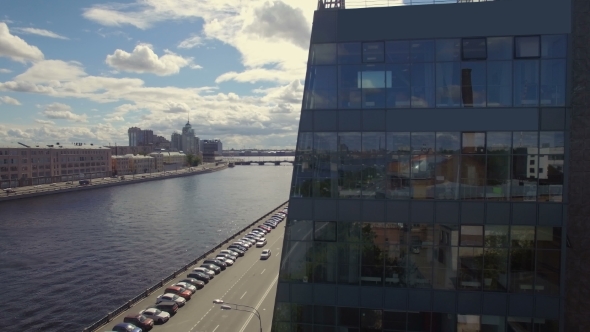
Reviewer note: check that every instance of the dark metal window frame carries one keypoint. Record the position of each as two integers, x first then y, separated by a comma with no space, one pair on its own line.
514,49
463,40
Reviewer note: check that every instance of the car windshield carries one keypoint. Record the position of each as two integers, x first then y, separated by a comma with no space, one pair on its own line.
175,297
156,312
142,318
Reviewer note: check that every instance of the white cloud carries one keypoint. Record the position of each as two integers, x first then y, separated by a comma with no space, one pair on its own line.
144,60
15,48
52,70
277,20
5,71
39,32
62,111
190,42
45,122
9,100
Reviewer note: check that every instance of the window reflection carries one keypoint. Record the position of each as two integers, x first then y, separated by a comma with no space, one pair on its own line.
321,87
398,176
473,177
303,167
500,48
473,84
553,82
448,142
499,142
349,53
350,167
522,270
524,177
373,52
422,172
470,268
474,48
527,47
422,85
322,54
499,83
448,84
498,177
547,277
553,46
447,176
373,86
423,143
326,172
422,51
397,51
349,89
398,85
526,83
373,165
448,49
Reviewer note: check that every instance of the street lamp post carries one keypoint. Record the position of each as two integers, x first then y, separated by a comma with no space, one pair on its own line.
228,306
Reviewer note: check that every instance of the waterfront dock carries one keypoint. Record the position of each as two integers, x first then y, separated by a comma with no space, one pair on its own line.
64,187
250,281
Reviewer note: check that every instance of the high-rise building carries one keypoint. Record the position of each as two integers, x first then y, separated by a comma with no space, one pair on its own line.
176,142
211,148
188,139
430,190
139,137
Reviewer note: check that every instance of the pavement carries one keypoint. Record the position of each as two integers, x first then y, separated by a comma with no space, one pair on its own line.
250,281
108,181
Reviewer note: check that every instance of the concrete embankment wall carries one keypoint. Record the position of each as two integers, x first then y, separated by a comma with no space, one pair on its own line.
52,191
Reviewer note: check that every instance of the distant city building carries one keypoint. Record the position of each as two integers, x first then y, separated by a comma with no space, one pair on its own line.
170,160
22,165
161,143
138,137
188,139
176,142
134,164
123,150
211,148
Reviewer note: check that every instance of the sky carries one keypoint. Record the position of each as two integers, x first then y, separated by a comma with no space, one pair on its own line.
86,71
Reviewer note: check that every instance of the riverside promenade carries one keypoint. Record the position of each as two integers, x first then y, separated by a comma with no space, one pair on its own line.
64,187
250,281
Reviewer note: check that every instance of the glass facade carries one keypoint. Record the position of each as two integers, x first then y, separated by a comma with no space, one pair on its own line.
415,251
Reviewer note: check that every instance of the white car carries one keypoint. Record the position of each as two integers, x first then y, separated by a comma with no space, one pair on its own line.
227,261
261,243
254,235
157,315
188,286
249,240
208,272
265,254
171,297
243,243
259,231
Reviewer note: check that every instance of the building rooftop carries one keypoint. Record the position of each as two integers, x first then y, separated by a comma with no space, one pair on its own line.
68,146
352,4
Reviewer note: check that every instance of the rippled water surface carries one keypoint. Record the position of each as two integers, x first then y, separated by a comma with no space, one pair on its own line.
66,260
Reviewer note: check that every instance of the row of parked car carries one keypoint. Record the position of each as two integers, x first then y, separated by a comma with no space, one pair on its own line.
177,295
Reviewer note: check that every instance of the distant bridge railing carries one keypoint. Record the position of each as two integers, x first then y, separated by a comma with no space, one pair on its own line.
129,304
352,4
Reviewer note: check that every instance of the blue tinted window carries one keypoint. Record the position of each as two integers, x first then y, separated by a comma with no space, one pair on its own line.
448,84
499,48
448,50
321,87
373,52
499,83
397,51
473,84
322,54
422,51
526,83
553,82
349,53
553,46
373,86
474,49
422,85
398,85
349,89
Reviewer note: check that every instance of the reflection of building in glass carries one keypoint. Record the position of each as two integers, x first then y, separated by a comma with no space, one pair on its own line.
428,188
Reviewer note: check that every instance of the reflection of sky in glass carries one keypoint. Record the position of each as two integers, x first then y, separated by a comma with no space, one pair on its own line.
398,142
349,141
447,141
373,142
524,139
499,141
325,142
552,139
305,142
422,142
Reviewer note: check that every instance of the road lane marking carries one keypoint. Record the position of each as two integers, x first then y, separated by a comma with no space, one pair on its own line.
262,271
243,294
259,303
215,328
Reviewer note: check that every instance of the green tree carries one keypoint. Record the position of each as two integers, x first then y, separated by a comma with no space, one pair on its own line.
192,160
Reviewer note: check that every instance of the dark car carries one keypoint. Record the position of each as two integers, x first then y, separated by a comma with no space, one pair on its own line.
195,282
212,267
237,246
140,321
126,327
168,306
217,262
182,292
199,276
266,228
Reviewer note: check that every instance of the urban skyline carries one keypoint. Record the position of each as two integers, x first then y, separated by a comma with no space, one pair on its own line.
151,65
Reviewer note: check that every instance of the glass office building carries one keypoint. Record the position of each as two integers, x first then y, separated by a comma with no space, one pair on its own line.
430,188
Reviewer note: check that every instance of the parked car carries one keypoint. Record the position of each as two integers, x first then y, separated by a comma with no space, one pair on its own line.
126,327
243,244
247,239
187,286
185,293
167,306
272,226
206,271
139,320
239,247
199,276
197,283
217,262
266,228
232,254
212,267
159,316
171,297
224,259
260,230
265,254
255,234
261,243
236,251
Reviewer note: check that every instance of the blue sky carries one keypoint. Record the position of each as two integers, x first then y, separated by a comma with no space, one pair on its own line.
86,71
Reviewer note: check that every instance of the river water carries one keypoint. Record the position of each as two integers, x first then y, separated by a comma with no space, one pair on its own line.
66,260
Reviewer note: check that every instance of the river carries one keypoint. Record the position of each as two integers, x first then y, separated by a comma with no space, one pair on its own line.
66,260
